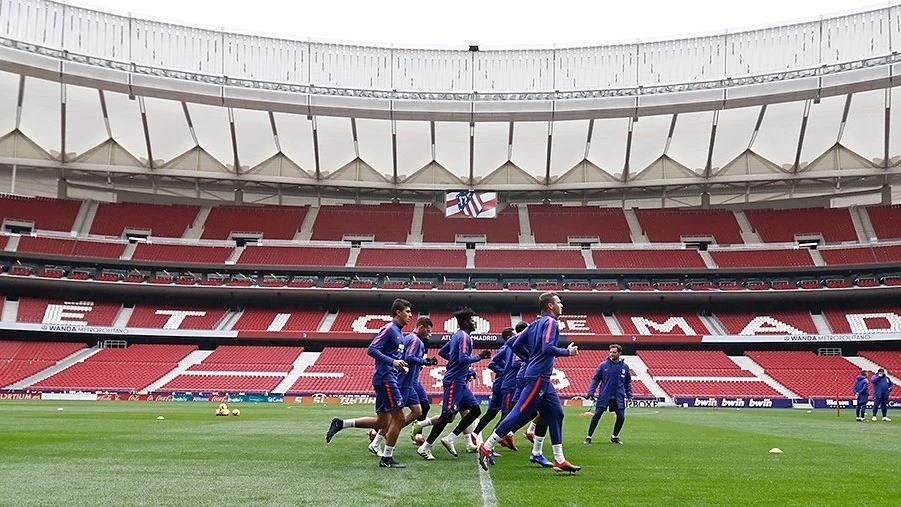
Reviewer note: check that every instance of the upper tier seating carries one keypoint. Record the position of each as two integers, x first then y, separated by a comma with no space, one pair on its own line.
388,223
87,313
778,226
886,221
413,257
163,220
294,256
647,259
529,259
847,256
273,222
71,248
175,317
260,319
189,254
556,224
866,320
661,323
438,228
47,214
747,259
670,226
767,322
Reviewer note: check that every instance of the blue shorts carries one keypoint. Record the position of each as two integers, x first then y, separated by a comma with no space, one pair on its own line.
497,398
414,395
610,405
457,396
388,397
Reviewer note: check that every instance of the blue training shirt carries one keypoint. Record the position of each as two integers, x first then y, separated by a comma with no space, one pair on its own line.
458,354
540,345
862,386
512,364
385,348
882,386
414,355
614,379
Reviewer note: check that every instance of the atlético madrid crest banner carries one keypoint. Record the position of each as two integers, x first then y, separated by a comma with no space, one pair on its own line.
470,204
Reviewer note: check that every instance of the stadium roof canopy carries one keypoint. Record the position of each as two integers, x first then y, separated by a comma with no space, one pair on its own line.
108,104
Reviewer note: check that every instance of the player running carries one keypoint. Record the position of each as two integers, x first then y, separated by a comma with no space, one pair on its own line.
385,349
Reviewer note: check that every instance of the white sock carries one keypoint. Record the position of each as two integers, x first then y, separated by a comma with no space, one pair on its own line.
388,452
558,453
450,438
531,428
538,446
425,447
350,423
425,424
492,441
475,424
377,441
510,434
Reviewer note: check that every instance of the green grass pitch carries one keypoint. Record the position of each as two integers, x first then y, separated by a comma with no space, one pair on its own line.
119,454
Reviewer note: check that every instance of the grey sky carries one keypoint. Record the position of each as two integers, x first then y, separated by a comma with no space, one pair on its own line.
489,23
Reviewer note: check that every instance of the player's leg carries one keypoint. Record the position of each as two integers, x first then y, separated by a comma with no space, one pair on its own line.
885,408
381,420
620,411
465,401
524,410
448,410
876,400
395,423
533,426
600,406
552,412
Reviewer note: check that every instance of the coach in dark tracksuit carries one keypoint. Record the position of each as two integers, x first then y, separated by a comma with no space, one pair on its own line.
615,382
862,390
882,386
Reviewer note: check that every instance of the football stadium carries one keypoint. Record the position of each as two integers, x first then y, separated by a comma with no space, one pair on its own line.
224,255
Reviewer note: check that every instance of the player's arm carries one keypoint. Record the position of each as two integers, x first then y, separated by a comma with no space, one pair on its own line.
499,362
595,381
466,349
445,351
375,347
413,353
549,336
628,381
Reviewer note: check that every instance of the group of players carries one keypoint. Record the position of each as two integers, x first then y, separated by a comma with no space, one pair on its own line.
522,390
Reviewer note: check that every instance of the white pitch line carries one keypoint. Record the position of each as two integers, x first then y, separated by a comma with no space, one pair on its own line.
488,497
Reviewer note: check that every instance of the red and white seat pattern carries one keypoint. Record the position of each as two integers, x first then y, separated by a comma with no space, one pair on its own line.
75,313
176,317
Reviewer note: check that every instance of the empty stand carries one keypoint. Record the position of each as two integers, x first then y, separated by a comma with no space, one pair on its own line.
130,369
175,317
223,383
775,226
767,322
865,320
20,360
249,359
368,321
670,226
294,256
718,388
647,259
886,221
890,360
887,253
162,220
808,374
503,229
47,214
273,222
70,247
188,254
695,363
529,259
57,311
746,259
385,222
260,319
413,257
556,224
660,323
847,256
